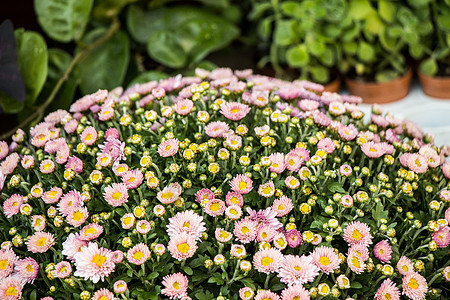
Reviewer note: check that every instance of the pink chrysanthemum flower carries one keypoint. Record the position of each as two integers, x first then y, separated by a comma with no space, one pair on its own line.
183,107
357,233
120,287
73,245
345,170
267,260
75,164
233,212
103,294
234,111
169,194
293,238
293,161
4,149
234,198
404,265
10,163
266,295
238,251
292,182
90,232
279,241
186,221
106,113
417,163
27,162
267,189
346,201
62,270
277,164
71,126
246,293
40,242
138,254
245,230
326,144
132,179
118,256
296,270
348,132
266,233
383,251
216,129
114,148
143,226
355,263
215,207
52,196
204,195
241,184
387,290
12,205
89,136
68,201
308,105
159,249
295,292
182,246
127,220
47,166
175,286
120,169
282,206
94,263
267,216
7,260
116,194
442,236
168,148
414,286
262,130
77,216
372,150
360,250
11,288
222,235
325,258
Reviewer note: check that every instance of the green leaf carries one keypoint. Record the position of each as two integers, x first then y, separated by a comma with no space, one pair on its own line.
336,187
327,57
9,104
314,45
152,275
350,47
320,74
108,9
63,20
265,27
386,75
387,42
217,279
366,52
105,66
248,283
359,9
284,32
258,10
387,10
163,47
32,58
374,24
148,76
429,67
188,270
58,62
355,285
444,21
291,9
297,56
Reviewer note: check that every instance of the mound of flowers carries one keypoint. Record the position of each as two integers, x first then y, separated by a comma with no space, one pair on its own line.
225,185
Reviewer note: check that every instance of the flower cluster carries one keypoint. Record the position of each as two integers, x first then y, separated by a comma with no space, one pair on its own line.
223,185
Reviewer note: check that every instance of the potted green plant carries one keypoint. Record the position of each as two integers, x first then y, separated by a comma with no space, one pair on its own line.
299,38
434,70
374,48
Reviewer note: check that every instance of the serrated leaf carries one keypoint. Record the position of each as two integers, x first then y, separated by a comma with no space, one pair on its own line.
163,47
284,32
429,66
63,20
297,56
336,187
366,52
387,10
32,58
105,66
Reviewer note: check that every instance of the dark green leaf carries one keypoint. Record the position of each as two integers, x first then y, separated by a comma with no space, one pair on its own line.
153,275
108,9
429,67
355,285
336,187
148,76
248,283
32,58
105,66
297,56
258,10
444,21
63,20
9,104
188,270
163,47
265,27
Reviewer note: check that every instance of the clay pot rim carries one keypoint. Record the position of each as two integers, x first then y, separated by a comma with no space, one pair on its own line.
408,73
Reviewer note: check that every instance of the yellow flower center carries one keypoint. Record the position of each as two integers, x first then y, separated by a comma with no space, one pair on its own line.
11,291
103,298
247,294
90,231
387,296
266,261
242,185
47,166
357,235
224,234
99,260
405,268
138,255
267,190
324,261
281,242
88,137
168,147
234,200
95,177
235,110
41,242
176,285
413,283
186,224
78,216
121,169
183,248
167,195
355,262
245,230
264,235
215,207
3,264
293,182
117,195
297,268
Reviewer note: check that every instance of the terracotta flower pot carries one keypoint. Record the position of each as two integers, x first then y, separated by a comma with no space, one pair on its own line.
385,92
333,86
437,87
